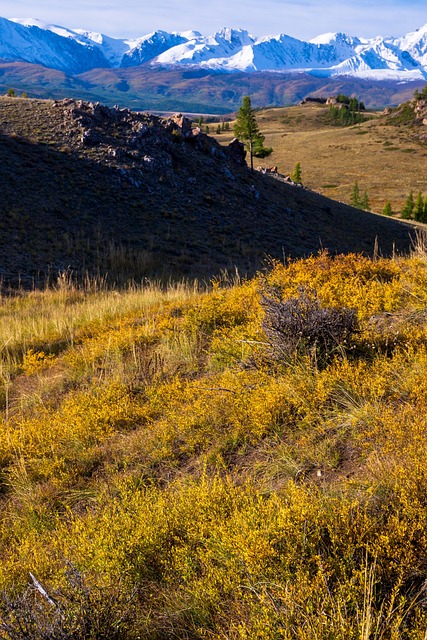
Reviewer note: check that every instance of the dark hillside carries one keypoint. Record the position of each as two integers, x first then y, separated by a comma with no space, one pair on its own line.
109,191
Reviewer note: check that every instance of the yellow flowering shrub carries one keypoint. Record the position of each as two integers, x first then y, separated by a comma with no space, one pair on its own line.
228,494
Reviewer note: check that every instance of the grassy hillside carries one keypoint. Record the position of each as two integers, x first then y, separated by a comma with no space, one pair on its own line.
384,154
125,195
244,462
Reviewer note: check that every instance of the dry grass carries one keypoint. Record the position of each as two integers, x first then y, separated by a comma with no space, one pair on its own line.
201,486
382,157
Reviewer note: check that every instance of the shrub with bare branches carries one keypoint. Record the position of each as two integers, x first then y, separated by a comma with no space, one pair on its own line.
302,325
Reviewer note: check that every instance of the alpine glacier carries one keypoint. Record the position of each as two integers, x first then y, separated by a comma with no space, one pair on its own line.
75,51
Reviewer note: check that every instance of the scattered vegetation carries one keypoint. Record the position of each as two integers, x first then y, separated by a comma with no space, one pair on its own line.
346,111
421,95
343,155
246,461
415,208
358,200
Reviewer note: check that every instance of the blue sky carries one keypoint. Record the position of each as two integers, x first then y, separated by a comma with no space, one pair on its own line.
298,18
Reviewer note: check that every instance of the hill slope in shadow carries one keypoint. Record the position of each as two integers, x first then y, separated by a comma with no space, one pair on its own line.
108,191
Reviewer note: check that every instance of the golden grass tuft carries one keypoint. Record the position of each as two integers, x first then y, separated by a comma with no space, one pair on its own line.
150,438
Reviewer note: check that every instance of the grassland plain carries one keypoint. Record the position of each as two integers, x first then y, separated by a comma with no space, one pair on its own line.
170,470
332,158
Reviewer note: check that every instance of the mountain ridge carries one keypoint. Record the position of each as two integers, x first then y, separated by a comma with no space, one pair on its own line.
228,50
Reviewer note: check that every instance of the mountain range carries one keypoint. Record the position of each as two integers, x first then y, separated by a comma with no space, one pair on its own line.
76,51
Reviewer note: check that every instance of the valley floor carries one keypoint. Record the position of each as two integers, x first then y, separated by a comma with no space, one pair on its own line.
385,158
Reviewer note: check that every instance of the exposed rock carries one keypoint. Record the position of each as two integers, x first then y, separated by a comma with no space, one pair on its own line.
237,152
90,138
310,100
183,123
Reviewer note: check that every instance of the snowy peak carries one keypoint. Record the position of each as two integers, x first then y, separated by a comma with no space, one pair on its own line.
415,43
49,45
74,51
149,47
234,37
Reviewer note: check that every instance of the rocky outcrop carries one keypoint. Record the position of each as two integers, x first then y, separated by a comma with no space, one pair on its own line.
136,143
313,100
236,150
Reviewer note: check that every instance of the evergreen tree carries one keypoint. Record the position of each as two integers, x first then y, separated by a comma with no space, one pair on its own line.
364,202
355,195
387,211
218,129
296,174
207,128
408,209
200,122
419,208
246,129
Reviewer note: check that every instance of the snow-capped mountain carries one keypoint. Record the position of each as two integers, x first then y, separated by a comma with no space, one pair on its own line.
74,51
51,46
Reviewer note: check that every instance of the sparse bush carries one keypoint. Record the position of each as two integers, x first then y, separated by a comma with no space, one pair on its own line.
78,612
420,95
296,174
302,325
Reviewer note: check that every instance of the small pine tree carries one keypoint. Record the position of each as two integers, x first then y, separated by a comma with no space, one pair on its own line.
387,211
364,202
296,174
227,126
355,195
11,92
200,121
207,128
419,208
218,129
408,209
24,94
